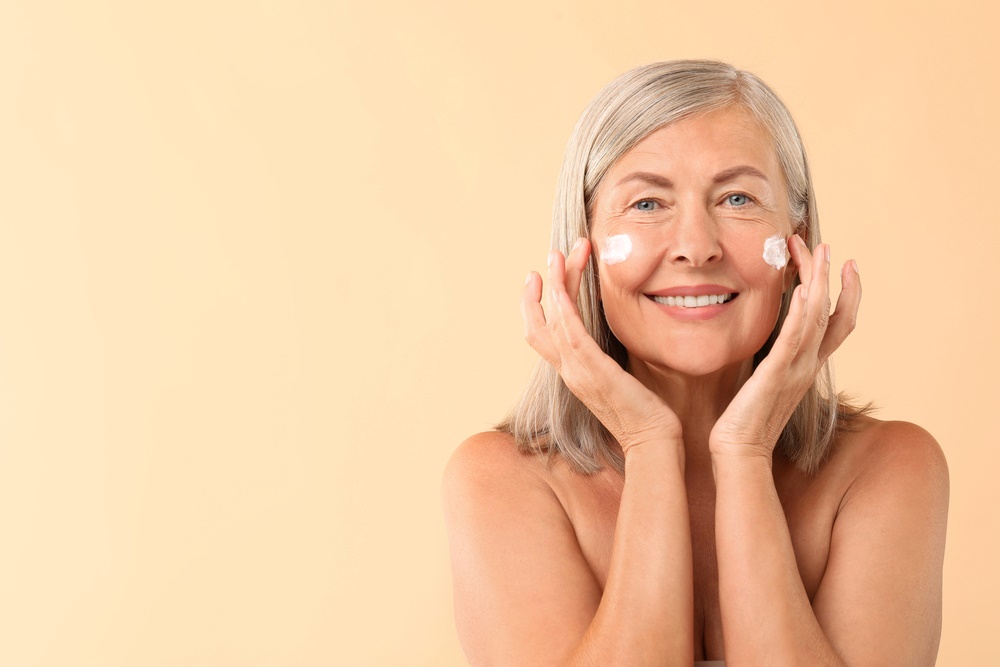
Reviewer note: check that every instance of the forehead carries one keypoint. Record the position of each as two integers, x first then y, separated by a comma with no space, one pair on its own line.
703,145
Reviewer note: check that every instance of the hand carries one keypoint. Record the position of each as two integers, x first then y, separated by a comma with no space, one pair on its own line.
757,414
632,413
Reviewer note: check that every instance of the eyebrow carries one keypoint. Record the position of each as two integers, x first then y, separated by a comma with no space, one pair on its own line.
742,170
647,177
666,183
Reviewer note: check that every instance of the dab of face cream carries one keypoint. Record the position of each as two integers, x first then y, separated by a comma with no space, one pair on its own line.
776,251
616,249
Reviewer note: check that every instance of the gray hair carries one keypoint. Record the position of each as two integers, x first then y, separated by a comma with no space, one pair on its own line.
548,417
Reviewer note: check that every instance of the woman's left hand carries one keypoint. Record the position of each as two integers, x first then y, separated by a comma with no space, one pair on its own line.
752,423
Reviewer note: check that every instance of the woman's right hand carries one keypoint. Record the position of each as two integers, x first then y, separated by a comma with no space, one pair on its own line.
632,413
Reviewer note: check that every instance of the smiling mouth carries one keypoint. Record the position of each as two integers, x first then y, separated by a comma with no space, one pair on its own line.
694,301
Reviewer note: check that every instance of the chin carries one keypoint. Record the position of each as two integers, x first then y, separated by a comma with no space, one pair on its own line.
694,358
692,364
694,370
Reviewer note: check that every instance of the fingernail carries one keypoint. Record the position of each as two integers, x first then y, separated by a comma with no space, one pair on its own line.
552,257
528,278
854,265
576,245
826,251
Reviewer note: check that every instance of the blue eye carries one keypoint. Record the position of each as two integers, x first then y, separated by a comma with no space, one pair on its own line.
645,205
738,200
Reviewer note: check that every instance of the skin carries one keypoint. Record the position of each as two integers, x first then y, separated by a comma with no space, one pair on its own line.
712,546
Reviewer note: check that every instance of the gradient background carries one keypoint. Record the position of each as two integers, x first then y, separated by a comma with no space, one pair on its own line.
259,275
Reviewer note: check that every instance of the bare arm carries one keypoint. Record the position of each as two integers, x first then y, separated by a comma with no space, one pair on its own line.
879,602
524,594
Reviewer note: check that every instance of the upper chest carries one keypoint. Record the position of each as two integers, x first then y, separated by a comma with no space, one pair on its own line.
810,507
809,504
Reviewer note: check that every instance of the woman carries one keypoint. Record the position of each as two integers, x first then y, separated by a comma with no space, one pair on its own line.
679,481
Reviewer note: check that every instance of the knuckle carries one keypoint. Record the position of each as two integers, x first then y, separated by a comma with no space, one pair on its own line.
793,346
576,343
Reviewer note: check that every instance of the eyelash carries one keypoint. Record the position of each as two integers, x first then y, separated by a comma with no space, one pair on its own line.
750,200
635,205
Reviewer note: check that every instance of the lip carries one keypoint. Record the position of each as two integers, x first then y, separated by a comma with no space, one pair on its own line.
694,314
694,290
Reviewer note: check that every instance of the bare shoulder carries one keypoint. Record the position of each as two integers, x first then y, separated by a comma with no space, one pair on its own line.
887,546
896,455
490,484
490,461
523,591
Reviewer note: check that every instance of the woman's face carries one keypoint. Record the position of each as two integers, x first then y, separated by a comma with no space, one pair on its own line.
697,200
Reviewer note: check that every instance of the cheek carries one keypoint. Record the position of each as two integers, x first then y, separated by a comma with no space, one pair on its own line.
624,249
776,251
627,255
624,260
757,268
768,283
761,251
616,249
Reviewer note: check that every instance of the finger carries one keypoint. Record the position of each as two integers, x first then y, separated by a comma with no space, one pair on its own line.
576,346
563,316
817,302
845,317
576,263
556,278
803,260
789,341
535,331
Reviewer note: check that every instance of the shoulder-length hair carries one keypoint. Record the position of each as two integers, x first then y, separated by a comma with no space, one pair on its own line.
548,417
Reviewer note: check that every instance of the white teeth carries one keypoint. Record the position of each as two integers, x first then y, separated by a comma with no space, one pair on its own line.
693,301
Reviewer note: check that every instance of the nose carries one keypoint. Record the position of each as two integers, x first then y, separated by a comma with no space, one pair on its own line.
694,237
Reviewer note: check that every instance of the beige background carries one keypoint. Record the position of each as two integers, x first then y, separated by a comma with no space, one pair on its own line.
259,270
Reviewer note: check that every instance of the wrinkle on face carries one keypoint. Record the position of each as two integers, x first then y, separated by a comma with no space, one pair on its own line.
673,183
681,188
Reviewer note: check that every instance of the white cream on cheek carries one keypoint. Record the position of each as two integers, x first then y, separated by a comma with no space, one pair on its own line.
776,251
616,249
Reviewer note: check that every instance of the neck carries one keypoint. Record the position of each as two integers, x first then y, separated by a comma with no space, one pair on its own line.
698,401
